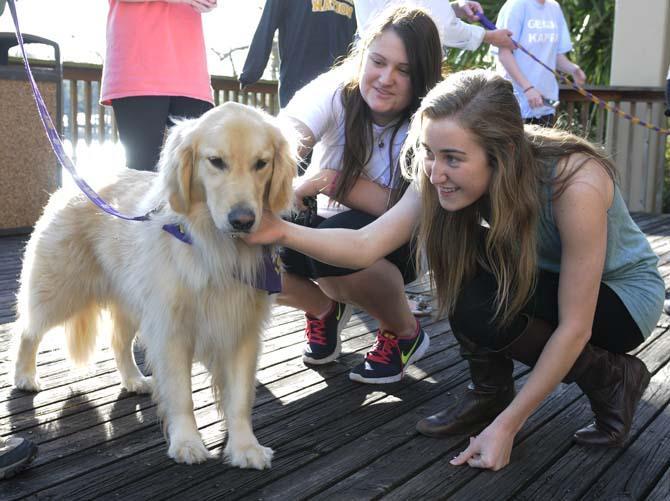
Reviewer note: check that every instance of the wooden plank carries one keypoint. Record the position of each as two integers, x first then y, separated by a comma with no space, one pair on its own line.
662,490
74,128
297,438
633,473
412,460
62,382
61,377
102,129
115,129
571,112
578,469
530,458
584,119
395,449
88,107
355,329
535,449
149,447
600,125
333,438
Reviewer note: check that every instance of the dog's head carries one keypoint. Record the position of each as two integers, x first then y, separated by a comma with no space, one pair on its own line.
234,159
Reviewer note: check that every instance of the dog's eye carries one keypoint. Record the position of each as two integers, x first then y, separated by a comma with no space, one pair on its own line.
217,162
260,164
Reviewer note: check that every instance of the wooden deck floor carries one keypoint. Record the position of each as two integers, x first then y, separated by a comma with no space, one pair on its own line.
333,439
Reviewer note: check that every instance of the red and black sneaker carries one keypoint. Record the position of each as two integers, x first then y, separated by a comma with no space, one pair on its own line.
323,335
389,356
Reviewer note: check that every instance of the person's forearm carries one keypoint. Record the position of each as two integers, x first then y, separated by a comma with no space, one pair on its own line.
356,248
567,66
364,195
558,357
564,64
458,34
334,246
507,59
316,182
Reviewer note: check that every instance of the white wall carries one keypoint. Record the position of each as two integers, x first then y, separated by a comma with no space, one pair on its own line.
641,45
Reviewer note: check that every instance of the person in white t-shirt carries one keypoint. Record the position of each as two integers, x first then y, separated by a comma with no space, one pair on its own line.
355,119
449,18
540,27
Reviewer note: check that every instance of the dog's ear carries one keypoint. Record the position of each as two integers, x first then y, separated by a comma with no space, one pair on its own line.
177,164
284,168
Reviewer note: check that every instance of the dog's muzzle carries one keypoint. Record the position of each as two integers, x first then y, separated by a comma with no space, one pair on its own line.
241,218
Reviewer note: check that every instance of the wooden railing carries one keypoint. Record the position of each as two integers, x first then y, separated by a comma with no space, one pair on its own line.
641,168
585,118
638,152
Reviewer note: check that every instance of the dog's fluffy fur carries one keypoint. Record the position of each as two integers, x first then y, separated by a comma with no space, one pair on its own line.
189,302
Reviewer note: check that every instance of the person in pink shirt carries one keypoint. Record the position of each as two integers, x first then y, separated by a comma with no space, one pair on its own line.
155,69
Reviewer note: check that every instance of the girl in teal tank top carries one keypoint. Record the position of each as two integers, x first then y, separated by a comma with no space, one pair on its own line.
534,258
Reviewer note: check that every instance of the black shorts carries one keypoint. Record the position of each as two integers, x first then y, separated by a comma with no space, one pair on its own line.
299,264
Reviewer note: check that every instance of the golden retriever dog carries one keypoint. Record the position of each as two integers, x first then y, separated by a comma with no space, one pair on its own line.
186,301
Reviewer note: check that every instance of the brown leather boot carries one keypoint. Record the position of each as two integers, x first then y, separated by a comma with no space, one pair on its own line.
613,399
491,390
613,382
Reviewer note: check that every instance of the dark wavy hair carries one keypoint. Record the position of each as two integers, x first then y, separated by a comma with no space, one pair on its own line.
421,39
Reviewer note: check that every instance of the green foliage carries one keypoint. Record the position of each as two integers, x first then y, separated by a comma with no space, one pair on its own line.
591,24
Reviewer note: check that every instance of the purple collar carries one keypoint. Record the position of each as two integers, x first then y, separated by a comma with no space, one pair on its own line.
179,232
270,278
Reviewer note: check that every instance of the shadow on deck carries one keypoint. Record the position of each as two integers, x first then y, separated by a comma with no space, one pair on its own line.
333,439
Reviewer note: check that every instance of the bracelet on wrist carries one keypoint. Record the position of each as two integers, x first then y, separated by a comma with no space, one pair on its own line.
528,88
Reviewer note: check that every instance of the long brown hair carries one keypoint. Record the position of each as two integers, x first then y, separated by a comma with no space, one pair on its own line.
424,53
483,103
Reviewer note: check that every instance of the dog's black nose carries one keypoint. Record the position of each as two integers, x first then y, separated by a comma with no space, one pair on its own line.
241,218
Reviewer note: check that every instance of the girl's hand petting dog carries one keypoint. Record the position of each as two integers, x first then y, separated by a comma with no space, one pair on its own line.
271,231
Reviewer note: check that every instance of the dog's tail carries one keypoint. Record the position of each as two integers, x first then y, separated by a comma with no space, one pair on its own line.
80,331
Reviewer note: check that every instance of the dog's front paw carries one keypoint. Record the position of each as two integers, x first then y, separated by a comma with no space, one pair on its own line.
189,451
27,382
139,385
251,455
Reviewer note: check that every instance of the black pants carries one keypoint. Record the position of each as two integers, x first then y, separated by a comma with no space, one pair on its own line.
142,121
613,327
304,266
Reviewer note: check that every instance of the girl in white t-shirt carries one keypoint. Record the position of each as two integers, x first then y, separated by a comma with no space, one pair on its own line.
355,119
